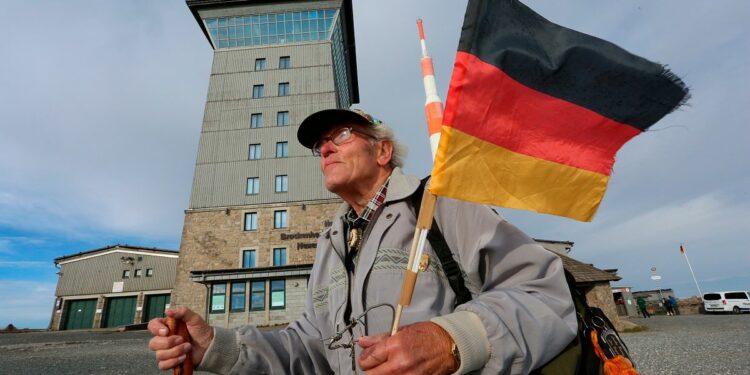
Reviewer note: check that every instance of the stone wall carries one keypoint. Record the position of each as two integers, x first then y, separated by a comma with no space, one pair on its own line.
214,240
601,296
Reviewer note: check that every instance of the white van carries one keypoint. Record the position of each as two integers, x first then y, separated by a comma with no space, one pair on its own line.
735,302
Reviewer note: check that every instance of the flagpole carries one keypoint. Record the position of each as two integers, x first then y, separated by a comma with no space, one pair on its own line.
434,113
682,250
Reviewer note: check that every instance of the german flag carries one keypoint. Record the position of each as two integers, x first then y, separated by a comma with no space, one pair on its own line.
535,112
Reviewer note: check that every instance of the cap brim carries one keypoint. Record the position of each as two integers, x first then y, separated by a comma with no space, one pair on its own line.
319,122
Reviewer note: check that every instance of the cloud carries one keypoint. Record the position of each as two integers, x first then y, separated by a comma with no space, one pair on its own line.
26,304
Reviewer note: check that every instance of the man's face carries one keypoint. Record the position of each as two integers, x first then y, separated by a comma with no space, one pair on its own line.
350,165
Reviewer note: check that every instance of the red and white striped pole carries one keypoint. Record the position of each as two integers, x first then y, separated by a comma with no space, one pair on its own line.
433,106
434,111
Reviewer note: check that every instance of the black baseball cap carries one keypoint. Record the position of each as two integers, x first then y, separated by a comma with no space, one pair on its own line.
319,122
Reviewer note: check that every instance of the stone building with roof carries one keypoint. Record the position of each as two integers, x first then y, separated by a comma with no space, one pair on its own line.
593,282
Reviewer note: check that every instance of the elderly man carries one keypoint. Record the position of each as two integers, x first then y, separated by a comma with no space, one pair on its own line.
520,315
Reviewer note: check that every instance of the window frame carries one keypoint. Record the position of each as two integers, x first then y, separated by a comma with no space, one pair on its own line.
261,61
281,251
258,150
254,188
125,274
214,295
284,89
284,149
254,221
233,294
254,258
256,120
281,183
284,116
283,215
283,290
138,273
149,272
258,91
285,62
261,292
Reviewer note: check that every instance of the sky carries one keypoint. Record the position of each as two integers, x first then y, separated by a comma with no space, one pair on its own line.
102,103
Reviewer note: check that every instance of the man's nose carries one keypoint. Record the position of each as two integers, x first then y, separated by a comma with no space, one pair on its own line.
327,148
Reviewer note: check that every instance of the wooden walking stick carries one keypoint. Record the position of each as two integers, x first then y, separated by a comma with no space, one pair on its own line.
178,327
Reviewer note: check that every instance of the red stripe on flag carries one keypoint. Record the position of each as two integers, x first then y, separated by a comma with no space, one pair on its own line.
488,104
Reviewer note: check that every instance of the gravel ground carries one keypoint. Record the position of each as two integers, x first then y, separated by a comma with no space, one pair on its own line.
692,344
686,344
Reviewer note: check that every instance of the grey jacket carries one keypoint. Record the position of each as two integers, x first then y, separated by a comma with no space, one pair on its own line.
521,314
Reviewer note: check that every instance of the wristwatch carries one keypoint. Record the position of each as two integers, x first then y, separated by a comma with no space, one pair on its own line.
456,354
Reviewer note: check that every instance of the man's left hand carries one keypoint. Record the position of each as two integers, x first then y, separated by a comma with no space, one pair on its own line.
420,348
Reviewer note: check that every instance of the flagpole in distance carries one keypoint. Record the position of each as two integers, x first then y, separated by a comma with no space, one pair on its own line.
682,250
434,112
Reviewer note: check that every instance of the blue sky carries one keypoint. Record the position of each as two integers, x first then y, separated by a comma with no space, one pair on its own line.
102,104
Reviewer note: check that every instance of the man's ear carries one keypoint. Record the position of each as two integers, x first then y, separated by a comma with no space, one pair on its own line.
384,153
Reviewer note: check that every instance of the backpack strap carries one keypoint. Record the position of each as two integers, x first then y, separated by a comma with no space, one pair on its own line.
443,251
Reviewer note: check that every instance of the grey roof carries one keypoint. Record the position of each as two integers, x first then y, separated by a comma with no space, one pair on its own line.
585,273
121,246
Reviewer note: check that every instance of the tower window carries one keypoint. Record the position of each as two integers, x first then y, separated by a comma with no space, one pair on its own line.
256,119
260,64
282,118
284,89
257,91
253,186
284,62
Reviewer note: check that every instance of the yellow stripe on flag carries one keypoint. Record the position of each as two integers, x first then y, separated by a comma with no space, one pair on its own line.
471,169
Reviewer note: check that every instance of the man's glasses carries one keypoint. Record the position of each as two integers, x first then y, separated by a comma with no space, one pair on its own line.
339,137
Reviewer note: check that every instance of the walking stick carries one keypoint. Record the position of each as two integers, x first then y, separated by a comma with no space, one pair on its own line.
178,327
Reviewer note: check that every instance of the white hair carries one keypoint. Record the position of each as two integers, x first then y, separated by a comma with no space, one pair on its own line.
383,132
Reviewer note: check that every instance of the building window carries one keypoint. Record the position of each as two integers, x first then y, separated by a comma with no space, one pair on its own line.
284,62
278,294
258,295
149,272
283,88
253,152
279,256
256,119
138,272
257,91
126,274
260,64
282,118
253,186
282,149
251,221
237,301
282,184
248,259
218,297
279,219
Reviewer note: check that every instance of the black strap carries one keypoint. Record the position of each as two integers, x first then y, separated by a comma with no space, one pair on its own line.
443,251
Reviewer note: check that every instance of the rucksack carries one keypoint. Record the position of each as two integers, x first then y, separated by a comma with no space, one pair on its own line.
579,357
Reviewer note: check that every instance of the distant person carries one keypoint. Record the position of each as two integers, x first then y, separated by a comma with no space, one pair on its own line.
642,306
667,306
673,304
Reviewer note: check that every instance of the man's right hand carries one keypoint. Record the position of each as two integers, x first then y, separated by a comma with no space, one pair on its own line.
171,350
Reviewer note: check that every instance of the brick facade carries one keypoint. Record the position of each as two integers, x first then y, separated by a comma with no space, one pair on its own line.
214,240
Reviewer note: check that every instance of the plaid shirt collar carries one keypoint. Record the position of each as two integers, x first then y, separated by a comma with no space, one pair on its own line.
372,206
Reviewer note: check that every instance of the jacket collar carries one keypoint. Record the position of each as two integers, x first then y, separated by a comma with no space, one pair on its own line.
400,187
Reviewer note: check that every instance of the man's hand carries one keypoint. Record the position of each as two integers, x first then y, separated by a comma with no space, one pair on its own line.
172,350
420,348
